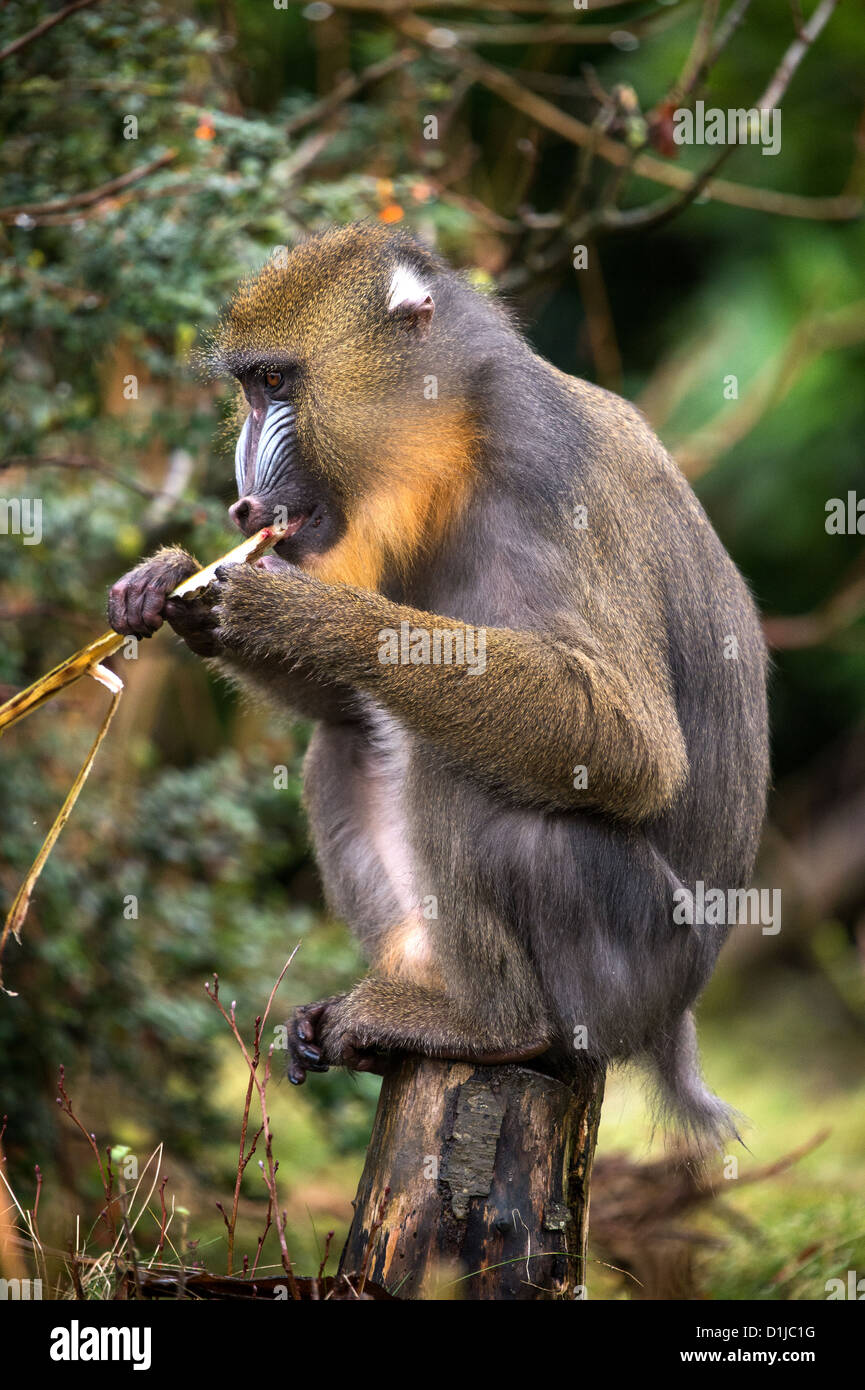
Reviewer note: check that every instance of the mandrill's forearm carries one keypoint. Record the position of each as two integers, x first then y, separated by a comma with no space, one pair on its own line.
293,688
537,710
140,602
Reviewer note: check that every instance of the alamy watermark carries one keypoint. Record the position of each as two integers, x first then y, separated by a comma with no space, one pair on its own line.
420,646
846,516
736,126
22,516
718,907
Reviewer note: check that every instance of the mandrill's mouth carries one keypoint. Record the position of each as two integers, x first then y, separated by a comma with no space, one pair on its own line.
285,547
293,525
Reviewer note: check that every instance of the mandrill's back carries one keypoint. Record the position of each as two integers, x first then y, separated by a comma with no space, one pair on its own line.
647,578
637,575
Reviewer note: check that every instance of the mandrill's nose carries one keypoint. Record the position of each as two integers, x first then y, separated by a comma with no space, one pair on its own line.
248,514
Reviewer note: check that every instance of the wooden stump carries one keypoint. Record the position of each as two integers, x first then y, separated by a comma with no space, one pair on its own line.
488,1174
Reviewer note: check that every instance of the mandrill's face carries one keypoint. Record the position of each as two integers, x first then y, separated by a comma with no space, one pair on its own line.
276,480
343,443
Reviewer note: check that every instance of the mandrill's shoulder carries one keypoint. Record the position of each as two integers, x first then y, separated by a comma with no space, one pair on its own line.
613,438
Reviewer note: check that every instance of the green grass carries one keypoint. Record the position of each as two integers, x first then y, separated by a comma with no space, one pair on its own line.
793,1064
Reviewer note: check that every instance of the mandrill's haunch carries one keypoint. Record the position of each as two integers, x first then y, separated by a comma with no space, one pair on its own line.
505,834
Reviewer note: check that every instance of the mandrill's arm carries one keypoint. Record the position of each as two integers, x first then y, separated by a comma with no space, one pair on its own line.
539,708
140,602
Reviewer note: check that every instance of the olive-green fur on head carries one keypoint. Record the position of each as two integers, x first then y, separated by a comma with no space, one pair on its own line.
364,409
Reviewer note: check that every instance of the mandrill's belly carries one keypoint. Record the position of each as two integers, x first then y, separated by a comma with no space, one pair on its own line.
356,782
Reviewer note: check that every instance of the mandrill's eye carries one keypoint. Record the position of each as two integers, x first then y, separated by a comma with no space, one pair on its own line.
273,380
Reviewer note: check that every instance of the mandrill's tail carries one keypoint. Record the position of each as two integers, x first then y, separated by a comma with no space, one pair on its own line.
684,1098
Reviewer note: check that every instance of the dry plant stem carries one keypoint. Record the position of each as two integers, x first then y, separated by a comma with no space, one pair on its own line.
243,1157
131,1252
326,1256
10,1258
162,1220
82,662
18,911
268,1168
66,1106
86,662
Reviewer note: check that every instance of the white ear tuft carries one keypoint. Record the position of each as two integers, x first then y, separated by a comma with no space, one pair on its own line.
410,301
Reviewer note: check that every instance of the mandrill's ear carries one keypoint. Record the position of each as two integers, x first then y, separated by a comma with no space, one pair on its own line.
410,303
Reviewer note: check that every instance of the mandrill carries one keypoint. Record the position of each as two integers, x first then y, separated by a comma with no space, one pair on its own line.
538,680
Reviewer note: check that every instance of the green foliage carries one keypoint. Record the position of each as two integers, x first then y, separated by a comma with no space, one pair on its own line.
181,811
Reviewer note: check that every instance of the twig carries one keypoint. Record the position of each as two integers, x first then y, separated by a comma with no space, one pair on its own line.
809,340
539,7
795,53
326,1255
17,44
91,195
652,215
163,1228
726,29
814,628
243,1157
697,60
840,207
348,88
83,461
600,325
66,1106
510,35
268,1167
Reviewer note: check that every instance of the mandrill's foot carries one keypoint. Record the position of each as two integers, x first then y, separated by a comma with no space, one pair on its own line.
316,1042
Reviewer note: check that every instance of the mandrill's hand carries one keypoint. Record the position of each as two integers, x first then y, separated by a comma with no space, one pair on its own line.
139,603
319,1038
263,609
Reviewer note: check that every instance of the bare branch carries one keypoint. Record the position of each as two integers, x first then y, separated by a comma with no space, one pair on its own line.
17,44
92,195
810,339
519,34
696,61
795,53
83,463
841,207
727,28
348,88
815,628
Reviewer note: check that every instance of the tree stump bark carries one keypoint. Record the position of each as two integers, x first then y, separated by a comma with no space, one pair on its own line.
476,1184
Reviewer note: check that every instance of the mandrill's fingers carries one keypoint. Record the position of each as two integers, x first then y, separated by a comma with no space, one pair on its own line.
194,620
136,602
304,1043
117,607
143,597
152,602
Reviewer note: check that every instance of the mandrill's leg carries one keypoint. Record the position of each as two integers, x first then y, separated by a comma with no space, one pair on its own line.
382,1015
